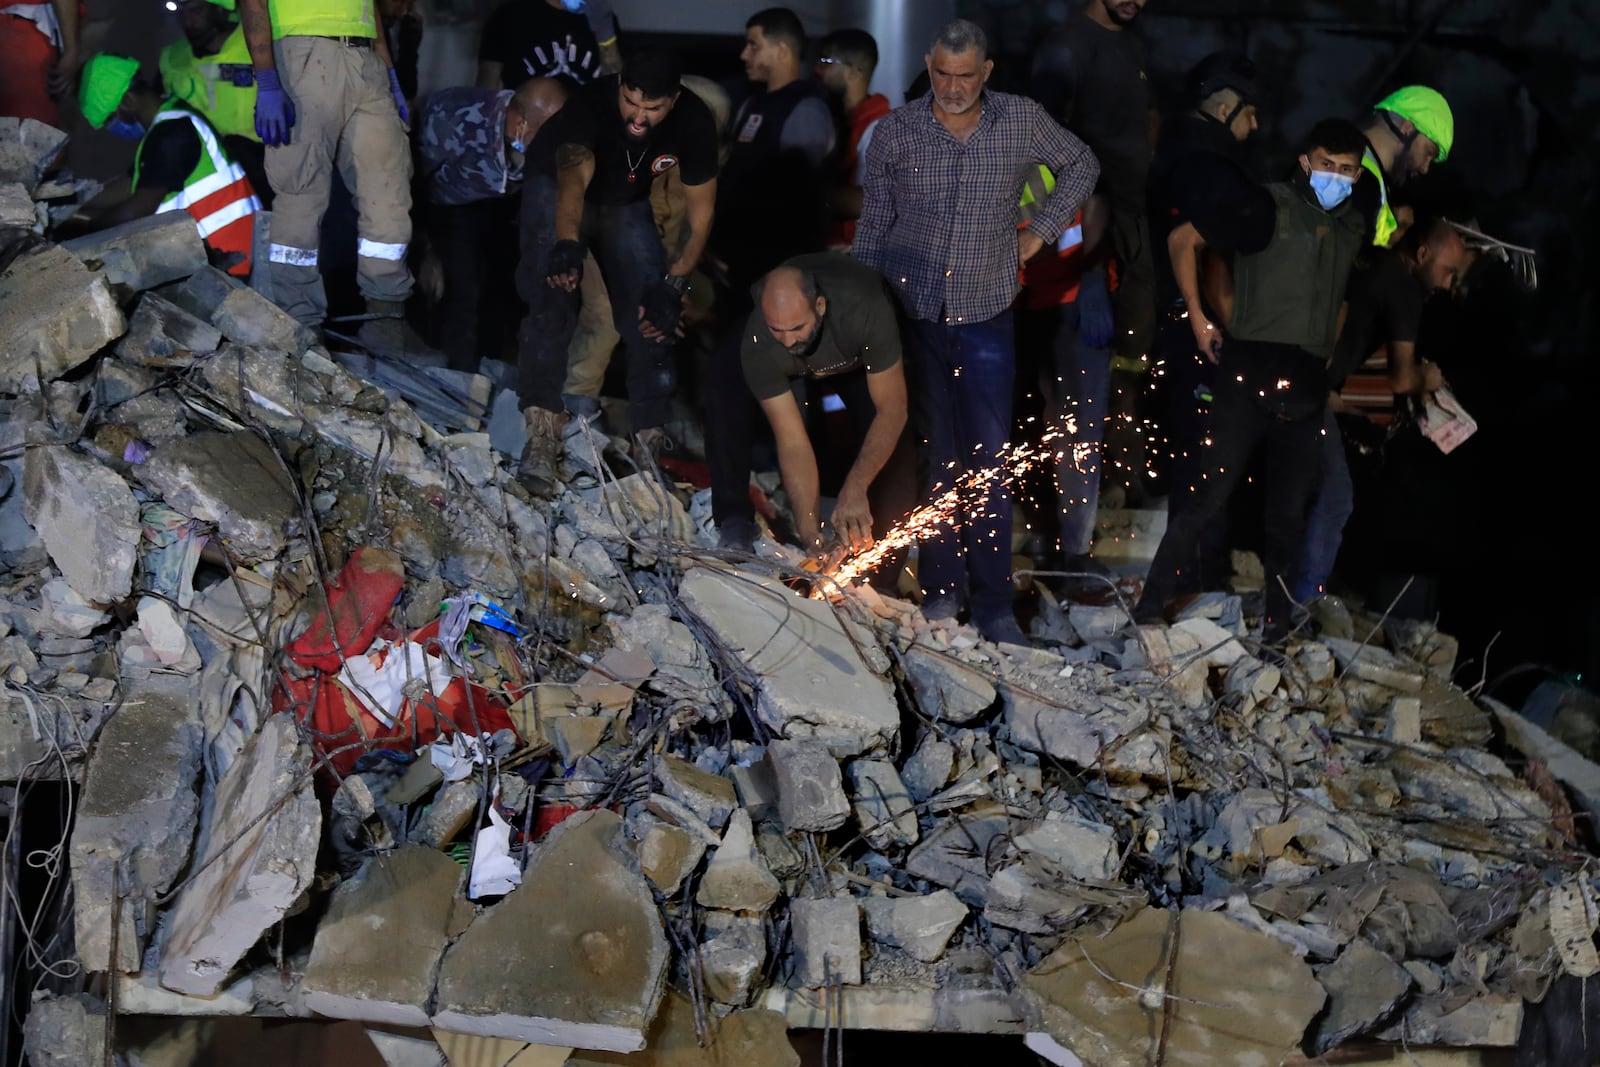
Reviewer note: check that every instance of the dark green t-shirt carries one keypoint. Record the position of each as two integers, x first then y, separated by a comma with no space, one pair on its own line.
858,329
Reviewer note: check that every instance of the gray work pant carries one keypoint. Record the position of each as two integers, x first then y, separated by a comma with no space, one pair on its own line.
344,116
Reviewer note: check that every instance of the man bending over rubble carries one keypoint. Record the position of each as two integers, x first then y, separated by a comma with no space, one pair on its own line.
613,138
825,325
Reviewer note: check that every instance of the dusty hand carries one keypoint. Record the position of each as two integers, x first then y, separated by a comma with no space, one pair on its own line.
852,520
1029,244
64,75
1206,335
660,312
564,265
1432,377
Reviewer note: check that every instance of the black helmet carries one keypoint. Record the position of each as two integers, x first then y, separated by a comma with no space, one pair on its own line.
1223,70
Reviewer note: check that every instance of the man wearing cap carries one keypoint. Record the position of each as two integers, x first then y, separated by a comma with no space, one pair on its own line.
1410,130
1199,173
180,163
327,95
209,69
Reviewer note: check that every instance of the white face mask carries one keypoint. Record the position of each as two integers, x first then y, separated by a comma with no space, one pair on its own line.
1331,189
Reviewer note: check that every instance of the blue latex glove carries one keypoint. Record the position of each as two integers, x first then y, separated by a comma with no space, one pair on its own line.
399,97
1096,327
601,20
274,109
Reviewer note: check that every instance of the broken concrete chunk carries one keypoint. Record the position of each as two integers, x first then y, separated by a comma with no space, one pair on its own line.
17,211
246,317
947,689
28,149
65,1031
737,878
163,335
1363,987
813,683
144,253
954,853
743,1039
810,796
259,854
54,314
757,787
1403,725
1377,665
233,480
138,813
883,806
730,967
827,941
1491,1021
929,768
593,956
453,808
1075,847
921,926
1234,995
378,947
668,855
1085,728
709,796
87,517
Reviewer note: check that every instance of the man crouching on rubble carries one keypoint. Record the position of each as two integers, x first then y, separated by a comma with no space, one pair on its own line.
612,139
824,324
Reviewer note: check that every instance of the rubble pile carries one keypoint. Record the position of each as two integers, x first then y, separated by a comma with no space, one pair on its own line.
365,732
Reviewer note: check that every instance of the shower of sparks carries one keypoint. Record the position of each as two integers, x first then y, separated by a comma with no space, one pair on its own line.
962,501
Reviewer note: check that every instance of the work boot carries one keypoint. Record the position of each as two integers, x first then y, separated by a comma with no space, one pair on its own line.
387,333
541,456
649,445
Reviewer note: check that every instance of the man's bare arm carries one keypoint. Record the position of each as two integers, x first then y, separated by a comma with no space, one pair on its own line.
797,462
852,514
256,21
702,204
1410,376
1185,244
574,172
380,40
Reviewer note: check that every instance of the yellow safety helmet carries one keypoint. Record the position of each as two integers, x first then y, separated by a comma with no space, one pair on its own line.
106,80
1428,111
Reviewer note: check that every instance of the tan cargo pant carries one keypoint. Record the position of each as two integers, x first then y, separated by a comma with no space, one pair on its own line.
596,339
344,117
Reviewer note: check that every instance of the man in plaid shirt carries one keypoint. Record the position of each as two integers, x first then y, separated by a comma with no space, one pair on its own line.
942,181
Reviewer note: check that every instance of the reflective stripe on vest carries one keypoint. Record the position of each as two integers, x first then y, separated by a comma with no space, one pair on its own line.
1386,222
222,87
217,195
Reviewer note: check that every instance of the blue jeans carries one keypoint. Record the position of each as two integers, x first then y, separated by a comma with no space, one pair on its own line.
1079,388
1325,524
962,377
628,248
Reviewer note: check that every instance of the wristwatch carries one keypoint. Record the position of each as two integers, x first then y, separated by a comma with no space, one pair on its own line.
679,282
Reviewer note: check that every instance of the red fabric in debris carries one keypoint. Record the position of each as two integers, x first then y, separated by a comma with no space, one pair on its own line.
358,604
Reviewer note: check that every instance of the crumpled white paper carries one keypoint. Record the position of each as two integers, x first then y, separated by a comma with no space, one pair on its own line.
494,871
381,688
456,756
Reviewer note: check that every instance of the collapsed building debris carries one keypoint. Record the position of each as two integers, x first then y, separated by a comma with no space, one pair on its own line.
365,732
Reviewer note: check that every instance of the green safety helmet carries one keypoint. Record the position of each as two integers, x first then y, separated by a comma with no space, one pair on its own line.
1428,112
106,80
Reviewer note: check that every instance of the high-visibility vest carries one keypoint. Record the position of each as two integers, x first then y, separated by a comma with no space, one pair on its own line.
221,87
1050,279
217,194
1387,223
321,18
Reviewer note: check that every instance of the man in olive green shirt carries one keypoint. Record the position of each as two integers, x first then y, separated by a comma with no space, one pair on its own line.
825,316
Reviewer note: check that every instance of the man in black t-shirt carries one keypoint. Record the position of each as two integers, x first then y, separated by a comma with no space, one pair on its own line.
610,141
825,317
1385,312
575,42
